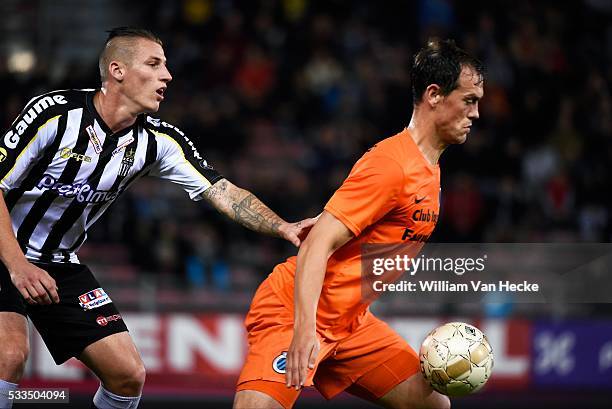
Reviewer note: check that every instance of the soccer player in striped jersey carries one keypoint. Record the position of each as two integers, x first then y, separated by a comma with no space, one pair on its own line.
63,162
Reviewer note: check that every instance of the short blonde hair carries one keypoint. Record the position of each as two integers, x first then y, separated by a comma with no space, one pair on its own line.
120,46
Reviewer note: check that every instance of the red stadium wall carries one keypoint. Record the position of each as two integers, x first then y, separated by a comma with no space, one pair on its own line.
201,354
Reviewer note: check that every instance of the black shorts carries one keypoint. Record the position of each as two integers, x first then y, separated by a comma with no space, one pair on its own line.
84,315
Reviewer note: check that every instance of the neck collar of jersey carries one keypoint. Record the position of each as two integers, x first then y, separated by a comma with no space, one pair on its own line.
89,101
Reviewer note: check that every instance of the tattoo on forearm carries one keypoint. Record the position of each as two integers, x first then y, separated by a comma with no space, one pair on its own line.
252,213
216,191
243,207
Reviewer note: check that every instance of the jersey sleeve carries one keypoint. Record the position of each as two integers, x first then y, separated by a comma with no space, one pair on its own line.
369,192
31,132
180,162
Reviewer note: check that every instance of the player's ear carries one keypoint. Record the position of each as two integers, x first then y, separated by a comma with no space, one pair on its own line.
117,70
433,95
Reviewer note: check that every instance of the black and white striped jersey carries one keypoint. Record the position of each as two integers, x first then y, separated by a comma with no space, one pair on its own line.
61,167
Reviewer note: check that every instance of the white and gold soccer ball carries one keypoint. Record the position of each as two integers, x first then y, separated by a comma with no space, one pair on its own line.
456,359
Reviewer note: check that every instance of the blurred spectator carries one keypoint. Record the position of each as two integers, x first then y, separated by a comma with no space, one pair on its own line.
286,94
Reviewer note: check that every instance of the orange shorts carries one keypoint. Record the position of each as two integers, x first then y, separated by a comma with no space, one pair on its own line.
368,363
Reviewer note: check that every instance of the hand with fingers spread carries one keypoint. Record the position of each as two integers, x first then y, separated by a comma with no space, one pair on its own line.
302,356
297,232
35,285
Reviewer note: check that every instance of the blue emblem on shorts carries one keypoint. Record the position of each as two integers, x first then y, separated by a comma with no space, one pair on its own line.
280,363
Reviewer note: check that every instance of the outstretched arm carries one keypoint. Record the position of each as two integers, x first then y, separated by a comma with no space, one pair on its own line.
245,208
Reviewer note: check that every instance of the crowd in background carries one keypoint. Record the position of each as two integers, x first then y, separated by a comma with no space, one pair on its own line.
283,96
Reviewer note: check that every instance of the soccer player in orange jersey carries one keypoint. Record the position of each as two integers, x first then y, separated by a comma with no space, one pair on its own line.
309,323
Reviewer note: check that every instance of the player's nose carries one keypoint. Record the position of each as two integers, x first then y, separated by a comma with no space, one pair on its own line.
166,76
473,113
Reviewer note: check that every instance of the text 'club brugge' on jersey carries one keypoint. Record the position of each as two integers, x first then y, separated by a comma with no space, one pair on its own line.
61,167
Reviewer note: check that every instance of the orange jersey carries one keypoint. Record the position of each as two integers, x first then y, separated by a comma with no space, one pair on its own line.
392,195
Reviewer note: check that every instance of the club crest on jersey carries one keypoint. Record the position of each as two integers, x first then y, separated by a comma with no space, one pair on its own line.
94,299
127,162
93,138
280,363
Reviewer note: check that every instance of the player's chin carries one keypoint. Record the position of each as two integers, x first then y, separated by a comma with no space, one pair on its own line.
152,107
459,138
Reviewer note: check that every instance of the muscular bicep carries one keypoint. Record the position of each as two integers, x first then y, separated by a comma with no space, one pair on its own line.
329,232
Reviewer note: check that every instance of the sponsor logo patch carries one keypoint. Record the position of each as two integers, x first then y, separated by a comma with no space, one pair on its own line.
103,321
82,192
280,363
12,137
67,153
122,145
93,138
94,299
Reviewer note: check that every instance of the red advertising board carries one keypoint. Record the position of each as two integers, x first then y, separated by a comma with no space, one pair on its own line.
202,354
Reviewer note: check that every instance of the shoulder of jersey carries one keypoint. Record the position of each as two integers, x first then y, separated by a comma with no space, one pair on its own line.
159,127
61,99
39,110
388,147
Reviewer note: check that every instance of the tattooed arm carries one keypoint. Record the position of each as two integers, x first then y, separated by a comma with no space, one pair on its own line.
243,207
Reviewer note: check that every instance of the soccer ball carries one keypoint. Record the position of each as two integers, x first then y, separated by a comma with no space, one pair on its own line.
456,359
